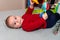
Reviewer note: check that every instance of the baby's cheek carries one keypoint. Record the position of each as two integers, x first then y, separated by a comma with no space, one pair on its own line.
22,21
17,25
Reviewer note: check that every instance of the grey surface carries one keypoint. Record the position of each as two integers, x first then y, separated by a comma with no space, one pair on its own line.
18,34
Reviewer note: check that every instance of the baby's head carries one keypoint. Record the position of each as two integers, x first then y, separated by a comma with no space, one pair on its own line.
14,22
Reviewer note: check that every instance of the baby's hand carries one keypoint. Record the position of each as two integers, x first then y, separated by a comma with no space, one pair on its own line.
31,2
45,16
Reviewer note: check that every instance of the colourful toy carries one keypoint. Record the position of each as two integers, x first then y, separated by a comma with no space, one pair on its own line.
35,1
44,5
55,9
42,9
37,11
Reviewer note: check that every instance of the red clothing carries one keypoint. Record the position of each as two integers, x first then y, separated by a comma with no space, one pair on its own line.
32,21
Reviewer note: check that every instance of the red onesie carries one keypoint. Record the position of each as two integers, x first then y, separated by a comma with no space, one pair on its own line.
32,21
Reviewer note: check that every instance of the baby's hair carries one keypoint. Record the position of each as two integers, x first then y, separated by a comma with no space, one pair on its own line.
7,23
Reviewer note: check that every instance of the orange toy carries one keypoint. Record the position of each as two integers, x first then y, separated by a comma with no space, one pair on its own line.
35,1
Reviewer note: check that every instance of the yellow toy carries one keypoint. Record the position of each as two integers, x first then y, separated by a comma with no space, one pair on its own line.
35,1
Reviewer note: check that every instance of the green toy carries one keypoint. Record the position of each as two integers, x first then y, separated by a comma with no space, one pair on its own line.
42,9
55,9
37,11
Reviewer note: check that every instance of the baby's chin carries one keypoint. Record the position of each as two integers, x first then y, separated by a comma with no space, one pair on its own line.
17,27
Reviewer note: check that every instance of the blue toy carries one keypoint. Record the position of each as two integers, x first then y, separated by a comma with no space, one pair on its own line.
44,5
28,3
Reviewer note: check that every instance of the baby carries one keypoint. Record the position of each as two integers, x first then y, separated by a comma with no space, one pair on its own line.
28,21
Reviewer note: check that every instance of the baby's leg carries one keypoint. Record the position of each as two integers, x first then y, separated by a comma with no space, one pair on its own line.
51,19
57,16
56,27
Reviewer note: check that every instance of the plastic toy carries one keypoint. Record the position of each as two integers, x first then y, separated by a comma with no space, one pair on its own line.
35,1
42,9
55,8
37,11
44,5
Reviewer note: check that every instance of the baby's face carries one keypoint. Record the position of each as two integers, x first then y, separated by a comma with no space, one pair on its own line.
15,21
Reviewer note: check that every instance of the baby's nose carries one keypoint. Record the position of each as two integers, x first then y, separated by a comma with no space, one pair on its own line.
17,21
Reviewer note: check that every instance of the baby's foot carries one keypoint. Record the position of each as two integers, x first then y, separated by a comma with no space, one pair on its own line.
56,29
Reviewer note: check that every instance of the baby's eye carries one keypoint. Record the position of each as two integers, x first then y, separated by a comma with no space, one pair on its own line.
15,18
14,23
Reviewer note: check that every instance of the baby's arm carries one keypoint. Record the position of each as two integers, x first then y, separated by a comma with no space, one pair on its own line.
30,8
33,24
